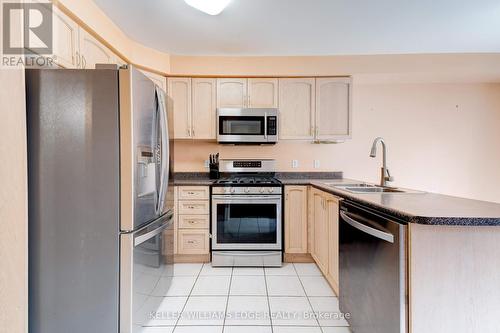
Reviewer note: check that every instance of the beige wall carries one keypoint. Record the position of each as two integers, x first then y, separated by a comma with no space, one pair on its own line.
13,204
409,68
441,137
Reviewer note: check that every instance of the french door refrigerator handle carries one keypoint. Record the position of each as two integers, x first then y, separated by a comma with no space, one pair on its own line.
164,159
142,238
366,229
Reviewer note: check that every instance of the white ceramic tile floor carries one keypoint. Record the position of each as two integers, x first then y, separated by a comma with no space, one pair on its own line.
286,269
243,300
247,310
209,270
316,286
248,285
284,286
304,269
211,286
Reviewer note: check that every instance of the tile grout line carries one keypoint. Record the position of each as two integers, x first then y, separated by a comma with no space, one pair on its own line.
188,297
268,302
227,300
308,300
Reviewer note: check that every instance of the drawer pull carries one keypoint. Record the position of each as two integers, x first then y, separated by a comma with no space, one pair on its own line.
191,193
191,222
191,207
191,242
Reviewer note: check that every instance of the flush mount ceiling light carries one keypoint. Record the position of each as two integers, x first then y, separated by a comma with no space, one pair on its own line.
211,7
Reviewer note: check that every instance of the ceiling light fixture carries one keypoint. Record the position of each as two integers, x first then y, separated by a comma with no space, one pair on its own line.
211,7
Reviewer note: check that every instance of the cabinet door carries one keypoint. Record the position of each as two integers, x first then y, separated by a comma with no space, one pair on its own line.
66,40
333,108
94,52
332,209
232,93
204,108
296,219
159,80
262,93
320,231
179,91
297,106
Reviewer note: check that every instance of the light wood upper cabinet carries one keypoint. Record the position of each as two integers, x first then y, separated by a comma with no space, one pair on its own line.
333,108
179,90
262,93
295,219
204,108
66,41
297,108
93,52
232,93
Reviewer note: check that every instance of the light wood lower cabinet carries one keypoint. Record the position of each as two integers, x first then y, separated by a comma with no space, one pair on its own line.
324,234
295,219
192,241
192,221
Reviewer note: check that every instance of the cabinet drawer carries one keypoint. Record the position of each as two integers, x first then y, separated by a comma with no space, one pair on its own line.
193,241
193,193
193,207
193,221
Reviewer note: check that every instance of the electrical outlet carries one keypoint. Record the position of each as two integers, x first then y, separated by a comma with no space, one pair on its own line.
295,164
207,164
316,164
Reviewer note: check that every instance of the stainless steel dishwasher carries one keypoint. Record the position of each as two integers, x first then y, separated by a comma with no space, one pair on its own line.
373,270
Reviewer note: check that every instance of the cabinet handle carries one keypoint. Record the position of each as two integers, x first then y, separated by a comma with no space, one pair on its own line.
84,62
77,59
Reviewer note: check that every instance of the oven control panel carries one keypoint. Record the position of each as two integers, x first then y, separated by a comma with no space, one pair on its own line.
264,190
247,164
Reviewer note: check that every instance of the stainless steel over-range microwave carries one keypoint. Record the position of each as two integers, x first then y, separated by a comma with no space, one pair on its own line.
247,126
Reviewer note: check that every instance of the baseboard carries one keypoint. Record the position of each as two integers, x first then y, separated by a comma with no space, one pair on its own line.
191,258
298,257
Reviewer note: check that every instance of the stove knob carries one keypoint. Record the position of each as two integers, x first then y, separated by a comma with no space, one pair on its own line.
262,190
227,190
271,190
232,190
247,190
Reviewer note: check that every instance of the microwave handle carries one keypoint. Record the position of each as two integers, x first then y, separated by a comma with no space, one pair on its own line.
265,125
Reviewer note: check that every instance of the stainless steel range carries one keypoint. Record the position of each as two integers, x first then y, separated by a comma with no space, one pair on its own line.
247,215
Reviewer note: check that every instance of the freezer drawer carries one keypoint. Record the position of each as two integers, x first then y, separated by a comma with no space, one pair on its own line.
146,270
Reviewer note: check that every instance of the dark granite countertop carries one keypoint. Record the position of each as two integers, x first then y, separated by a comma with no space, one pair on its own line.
420,207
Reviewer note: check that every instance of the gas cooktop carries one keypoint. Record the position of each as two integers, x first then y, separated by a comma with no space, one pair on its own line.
254,180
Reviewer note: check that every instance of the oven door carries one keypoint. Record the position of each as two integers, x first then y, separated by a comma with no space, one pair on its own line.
246,222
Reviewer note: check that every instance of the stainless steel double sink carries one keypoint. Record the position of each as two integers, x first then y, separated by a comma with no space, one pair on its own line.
368,188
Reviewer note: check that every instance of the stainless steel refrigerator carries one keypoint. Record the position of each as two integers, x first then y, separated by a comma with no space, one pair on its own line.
100,199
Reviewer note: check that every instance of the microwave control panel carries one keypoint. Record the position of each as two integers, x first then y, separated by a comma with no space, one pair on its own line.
271,125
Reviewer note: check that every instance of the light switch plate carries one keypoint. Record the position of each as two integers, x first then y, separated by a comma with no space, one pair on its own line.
316,164
295,164
207,165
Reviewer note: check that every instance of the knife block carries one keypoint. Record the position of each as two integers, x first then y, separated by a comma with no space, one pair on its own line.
214,171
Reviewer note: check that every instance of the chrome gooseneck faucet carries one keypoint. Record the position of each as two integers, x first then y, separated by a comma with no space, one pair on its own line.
385,175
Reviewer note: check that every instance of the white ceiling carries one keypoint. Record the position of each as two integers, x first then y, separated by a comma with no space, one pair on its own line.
312,27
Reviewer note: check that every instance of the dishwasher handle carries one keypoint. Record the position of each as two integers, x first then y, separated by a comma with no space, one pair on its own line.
367,229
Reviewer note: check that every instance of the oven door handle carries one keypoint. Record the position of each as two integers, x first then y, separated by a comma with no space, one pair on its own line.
265,125
367,229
